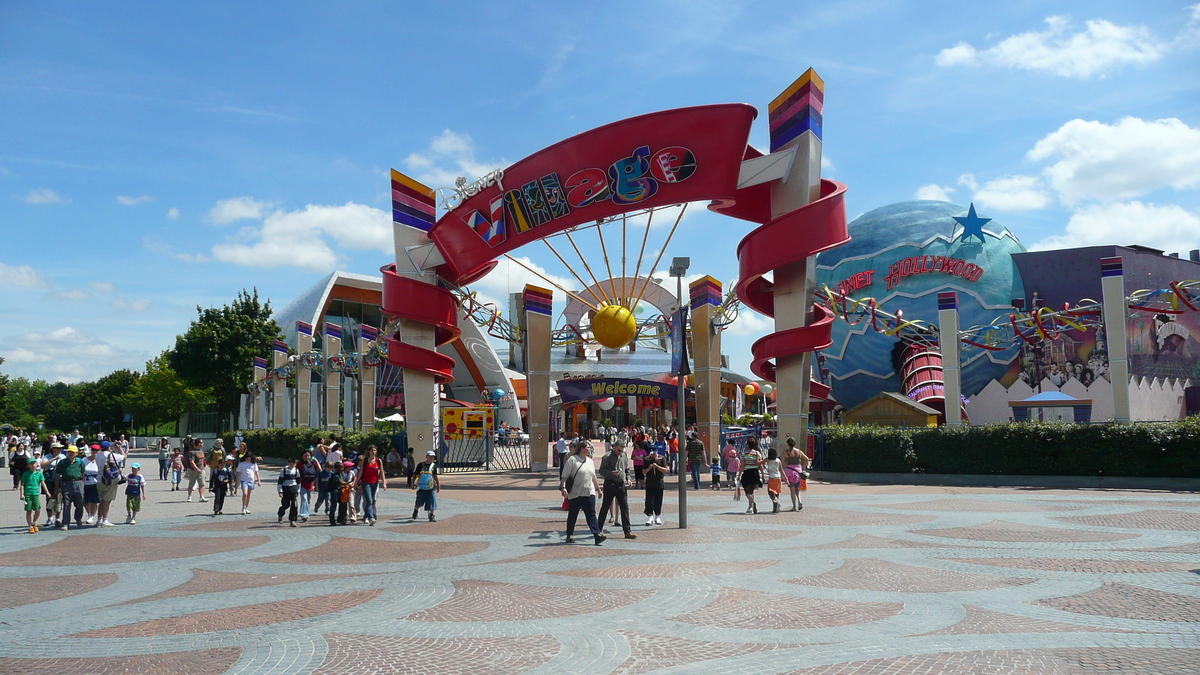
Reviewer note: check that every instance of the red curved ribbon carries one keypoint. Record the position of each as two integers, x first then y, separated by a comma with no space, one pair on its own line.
425,303
782,241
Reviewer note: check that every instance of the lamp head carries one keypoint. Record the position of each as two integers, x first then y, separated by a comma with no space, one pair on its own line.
679,266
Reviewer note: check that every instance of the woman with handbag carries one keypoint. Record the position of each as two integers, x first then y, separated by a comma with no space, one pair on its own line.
795,469
751,479
249,479
580,487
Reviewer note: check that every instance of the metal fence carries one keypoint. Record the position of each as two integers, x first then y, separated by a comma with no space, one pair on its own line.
483,454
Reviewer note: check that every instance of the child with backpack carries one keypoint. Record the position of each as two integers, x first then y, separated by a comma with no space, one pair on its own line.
341,489
33,486
427,485
716,473
135,492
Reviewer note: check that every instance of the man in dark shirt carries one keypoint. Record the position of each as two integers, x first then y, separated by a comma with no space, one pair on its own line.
696,458
195,469
69,474
614,469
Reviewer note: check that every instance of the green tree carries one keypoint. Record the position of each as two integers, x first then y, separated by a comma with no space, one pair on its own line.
4,411
218,349
103,400
160,395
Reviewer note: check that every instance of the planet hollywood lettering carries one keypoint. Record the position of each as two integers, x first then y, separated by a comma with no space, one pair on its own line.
627,181
926,264
920,264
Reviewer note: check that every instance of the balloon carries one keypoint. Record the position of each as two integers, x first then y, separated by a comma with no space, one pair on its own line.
614,326
606,403
767,388
498,393
751,389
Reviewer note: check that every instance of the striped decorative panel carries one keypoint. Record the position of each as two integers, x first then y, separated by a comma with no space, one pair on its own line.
412,203
368,332
538,300
333,330
1111,267
260,362
797,110
281,346
705,291
305,328
947,300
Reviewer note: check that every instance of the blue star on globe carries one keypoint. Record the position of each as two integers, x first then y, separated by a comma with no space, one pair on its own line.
972,225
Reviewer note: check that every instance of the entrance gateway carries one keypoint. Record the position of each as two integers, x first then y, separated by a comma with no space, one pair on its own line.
697,154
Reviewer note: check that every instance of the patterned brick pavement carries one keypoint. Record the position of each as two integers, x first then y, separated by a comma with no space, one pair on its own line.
884,579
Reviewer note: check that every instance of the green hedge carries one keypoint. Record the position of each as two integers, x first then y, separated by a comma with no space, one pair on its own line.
293,442
1166,450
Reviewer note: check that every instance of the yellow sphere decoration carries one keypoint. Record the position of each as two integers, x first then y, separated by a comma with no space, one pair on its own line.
614,326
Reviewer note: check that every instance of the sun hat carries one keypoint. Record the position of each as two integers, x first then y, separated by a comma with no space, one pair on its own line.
55,445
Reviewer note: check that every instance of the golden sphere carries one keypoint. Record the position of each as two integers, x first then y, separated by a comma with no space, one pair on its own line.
614,326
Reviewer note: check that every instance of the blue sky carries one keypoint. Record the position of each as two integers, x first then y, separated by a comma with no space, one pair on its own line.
159,156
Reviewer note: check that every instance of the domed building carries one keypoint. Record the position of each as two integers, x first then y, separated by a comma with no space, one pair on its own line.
903,255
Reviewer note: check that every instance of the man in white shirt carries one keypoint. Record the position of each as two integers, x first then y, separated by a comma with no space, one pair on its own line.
560,449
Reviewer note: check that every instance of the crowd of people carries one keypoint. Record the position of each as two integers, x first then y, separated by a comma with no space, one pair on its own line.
77,479
654,456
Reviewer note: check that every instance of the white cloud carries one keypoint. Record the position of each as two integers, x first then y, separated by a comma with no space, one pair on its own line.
43,196
299,238
749,322
124,306
509,277
827,164
133,201
1008,193
939,193
70,294
1097,50
155,246
172,213
102,286
23,276
1168,227
66,355
238,208
1119,161
450,155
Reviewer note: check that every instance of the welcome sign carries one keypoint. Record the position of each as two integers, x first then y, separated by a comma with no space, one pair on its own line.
583,390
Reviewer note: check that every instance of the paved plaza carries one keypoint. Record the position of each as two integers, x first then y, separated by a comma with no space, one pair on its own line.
866,579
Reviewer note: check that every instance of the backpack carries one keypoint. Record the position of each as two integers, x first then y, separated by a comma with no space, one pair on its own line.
112,474
425,480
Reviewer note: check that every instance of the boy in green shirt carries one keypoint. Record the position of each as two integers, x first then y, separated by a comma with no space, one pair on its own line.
33,485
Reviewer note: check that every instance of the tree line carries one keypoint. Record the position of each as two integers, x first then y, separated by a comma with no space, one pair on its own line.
207,370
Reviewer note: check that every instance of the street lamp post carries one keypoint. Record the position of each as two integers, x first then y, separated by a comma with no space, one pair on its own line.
679,267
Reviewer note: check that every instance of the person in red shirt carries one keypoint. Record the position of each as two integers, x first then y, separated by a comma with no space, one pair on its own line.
372,481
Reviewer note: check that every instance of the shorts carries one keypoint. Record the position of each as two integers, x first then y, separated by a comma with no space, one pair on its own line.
195,479
133,504
426,498
792,473
33,502
774,486
248,486
91,495
108,493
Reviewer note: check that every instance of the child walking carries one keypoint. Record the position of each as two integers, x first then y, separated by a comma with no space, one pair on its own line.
33,486
715,467
289,491
428,485
222,476
135,492
323,477
176,469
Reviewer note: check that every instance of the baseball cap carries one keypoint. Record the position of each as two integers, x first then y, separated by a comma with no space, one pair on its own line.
71,448
96,447
136,465
431,453
347,464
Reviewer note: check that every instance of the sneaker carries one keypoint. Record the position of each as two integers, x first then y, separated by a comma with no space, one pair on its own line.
189,498
33,529
91,520
755,508
630,535
432,519
749,509
658,520
127,519
414,514
650,520
292,523
801,508
570,540
776,508
62,528
133,521
371,522
280,520
600,539
202,500
304,519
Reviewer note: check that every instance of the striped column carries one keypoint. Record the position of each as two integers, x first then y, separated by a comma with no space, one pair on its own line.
332,376
705,296
796,121
951,357
258,405
367,335
304,340
538,307
1112,285
280,415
